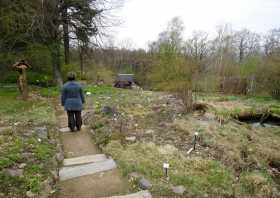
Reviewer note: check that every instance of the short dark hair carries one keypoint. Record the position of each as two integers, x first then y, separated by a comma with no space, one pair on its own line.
71,76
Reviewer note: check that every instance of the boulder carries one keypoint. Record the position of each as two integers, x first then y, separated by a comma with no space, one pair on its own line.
22,165
167,149
59,157
145,184
2,129
149,131
42,132
108,110
46,188
131,139
178,190
134,176
30,194
14,172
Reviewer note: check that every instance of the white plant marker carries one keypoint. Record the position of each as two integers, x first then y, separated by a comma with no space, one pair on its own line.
166,167
88,93
195,140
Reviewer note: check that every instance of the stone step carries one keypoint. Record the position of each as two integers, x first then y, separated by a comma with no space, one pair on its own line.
67,130
141,194
84,160
66,173
64,130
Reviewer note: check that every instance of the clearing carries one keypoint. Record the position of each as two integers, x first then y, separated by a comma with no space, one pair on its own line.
140,130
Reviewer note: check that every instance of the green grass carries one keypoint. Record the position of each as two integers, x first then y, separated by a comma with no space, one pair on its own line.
227,149
22,117
197,175
37,164
14,109
49,91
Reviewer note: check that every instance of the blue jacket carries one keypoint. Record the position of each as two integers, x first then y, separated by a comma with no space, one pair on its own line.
72,96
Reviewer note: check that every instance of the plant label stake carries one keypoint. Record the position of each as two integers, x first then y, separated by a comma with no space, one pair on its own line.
166,167
195,140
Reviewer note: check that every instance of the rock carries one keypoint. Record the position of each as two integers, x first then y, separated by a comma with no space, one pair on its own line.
149,131
46,186
130,139
141,194
59,157
108,110
29,133
17,123
55,175
66,173
162,124
92,132
27,155
167,149
64,130
42,132
84,160
144,184
30,194
178,190
134,176
2,129
22,165
14,172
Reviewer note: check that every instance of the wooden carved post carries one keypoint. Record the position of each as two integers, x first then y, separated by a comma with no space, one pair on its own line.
21,67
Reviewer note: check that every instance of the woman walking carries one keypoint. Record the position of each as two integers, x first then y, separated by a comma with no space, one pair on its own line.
72,98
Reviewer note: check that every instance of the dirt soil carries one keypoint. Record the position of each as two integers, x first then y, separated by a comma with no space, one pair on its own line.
78,144
103,184
94,186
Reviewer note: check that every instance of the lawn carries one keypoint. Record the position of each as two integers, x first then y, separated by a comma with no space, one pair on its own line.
28,140
232,159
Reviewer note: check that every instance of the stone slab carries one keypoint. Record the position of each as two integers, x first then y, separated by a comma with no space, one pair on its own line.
67,130
64,130
141,194
66,173
84,160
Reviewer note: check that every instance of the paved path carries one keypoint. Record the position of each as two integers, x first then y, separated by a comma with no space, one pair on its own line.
86,173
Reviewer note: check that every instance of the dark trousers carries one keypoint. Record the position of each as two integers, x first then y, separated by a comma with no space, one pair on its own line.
74,119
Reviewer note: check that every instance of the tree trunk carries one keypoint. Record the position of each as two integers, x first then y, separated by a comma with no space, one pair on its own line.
24,85
241,51
55,54
66,35
81,51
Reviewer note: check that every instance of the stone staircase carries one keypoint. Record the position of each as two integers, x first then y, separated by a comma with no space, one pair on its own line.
90,176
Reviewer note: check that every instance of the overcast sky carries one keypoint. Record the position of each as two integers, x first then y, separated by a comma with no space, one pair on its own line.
143,20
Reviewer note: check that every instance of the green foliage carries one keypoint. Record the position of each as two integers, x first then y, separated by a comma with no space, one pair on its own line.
250,66
198,175
100,74
22,139
13,109
256,184
70,68
50,91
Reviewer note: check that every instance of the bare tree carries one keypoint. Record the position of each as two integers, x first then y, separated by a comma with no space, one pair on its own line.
197,45
247,44
272,42
222,48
